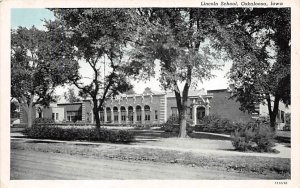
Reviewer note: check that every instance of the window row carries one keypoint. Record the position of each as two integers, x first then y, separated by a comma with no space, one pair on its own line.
130,116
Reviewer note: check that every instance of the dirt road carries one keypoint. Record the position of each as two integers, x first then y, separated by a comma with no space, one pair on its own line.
38,165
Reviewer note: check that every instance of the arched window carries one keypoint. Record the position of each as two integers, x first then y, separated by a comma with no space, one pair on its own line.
116,114
123,113
108,114
40,113
130,113
200,112
102,115
147,113
138,113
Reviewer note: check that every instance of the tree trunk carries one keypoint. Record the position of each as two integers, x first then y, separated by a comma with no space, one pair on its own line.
29,116
273,120
96,114
183,124
28,109
273,113
182,103
182,119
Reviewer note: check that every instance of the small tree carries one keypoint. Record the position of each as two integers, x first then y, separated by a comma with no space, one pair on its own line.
39,63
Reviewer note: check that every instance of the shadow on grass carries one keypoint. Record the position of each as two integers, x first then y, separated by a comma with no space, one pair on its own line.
40,141
208,136
152,135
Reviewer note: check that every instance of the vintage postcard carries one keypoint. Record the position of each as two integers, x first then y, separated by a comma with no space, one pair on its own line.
152,93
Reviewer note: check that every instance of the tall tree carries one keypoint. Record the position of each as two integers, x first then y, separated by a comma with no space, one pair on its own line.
100,37
184,42
39,63
261,73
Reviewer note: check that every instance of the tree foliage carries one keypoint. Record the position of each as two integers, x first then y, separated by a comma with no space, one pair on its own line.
39,62
100,37
71,96
186,42
261,72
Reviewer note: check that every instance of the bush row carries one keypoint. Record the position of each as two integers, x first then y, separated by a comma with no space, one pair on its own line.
173,125
216,124
43,120
93,134
49,121
254,136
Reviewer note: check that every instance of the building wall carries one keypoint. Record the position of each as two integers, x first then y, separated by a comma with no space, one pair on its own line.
60,112
46,112
220,105
171,103
156,103
224,107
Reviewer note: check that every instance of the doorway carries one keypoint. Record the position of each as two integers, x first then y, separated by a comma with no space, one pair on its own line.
200,113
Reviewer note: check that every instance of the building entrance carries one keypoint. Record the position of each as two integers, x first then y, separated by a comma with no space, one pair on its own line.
200,113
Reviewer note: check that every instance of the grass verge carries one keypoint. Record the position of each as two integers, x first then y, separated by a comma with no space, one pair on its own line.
265,167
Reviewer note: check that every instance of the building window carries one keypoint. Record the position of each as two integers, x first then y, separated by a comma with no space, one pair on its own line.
108,114
123,113
53,114
138,113
73,116
130,113
156,115
116,114
147,113
40,113
200,112
56,116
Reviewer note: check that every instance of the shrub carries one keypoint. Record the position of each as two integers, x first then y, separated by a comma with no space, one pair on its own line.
59,133
173,125
43,121
214,123
255,136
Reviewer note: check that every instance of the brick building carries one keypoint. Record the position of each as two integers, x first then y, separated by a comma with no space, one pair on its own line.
153,108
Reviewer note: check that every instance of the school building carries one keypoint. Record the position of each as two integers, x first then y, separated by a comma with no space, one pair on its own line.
154,108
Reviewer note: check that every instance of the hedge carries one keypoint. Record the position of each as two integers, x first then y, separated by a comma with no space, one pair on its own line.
216,124
93,134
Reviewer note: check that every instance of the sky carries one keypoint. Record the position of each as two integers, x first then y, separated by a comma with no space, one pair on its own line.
35,16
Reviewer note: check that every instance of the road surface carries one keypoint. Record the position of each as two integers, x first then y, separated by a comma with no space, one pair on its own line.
34,165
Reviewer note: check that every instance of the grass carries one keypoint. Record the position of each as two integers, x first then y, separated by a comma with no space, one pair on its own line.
267,167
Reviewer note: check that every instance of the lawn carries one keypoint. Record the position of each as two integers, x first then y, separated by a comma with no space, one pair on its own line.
196,153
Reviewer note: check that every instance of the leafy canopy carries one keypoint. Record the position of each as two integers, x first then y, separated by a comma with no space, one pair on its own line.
262,69
39,62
